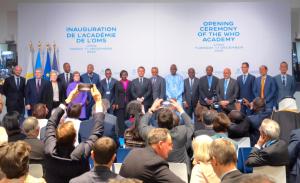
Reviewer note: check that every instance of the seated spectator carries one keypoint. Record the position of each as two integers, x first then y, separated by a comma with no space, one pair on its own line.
31,129
239,126
287,117
14,160
131,135
294,156
208,117
103,154
3,140
63,160
110,129
126,180
259,114
40,112
199,112
202,170
269,149
256,178
181,135
73,114
11,124
149,164
223,160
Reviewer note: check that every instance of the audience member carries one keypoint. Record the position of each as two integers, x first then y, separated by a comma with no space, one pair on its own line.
3,141
63,160
11,124
103,155
256,178
294,156
14,160
73,114
202,170
199,111
269,149
40,112
125,180
239,126
149,164
223,159
208,118
31,129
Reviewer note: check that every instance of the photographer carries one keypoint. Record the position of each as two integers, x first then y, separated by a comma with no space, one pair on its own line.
181,135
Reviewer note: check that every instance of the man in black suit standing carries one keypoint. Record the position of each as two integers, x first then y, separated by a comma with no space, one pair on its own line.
207,87
35,89
224,164
191,92
227,91
14,91
158,85
141,89
107,89
149,164
66,77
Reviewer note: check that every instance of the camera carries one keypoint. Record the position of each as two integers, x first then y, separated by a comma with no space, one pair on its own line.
166,103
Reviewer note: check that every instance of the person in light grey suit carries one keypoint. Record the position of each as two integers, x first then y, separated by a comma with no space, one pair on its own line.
285,83
191,92
227,91
158,85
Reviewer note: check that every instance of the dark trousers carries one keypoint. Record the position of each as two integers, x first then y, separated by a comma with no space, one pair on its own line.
121,117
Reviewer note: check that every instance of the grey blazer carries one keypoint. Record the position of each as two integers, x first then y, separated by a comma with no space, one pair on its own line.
191,95
287,90
158,88
232,91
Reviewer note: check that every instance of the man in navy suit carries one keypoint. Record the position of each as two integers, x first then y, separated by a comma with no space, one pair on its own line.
265,87
35,90
285,83
191,92
93,78
66,77
246,82
107,89
14,91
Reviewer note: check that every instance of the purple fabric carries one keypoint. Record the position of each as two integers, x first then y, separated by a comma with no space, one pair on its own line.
81,99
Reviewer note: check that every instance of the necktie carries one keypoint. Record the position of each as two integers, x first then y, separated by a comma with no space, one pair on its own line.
153,81
244,78
283,80
141,81
38,86
108,83
191,85
18,82
225,88
67,78
262,87
209,79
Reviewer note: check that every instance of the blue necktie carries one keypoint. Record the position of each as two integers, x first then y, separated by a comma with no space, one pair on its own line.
225,88
244,78
209,79
283,80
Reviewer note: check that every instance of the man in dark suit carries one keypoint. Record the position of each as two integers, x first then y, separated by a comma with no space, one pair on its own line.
207,87
239,126
265,87
92,78
66,77
14,91
269,149
149,164
294,156
224,164
227,91
103,154
191,92
107,89
158,85
208,118
246,83
286,85
141,89
35,89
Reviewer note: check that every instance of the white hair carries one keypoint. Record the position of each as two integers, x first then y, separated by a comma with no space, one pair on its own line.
270,128
287,104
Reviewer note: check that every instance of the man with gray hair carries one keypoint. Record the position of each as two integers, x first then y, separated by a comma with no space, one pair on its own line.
149,164
31,129
269,149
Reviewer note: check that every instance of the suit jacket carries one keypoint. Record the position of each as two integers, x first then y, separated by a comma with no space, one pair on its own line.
239,129
48,99
274,155
287,90
14,96
109,128
191,95
63,81
246,88
231,94
181,136
122,96
234,176
269,91
146,165
37,150
158,88
99,174
142,90
294,155
95,79
205,91
32,96
64,163
108,92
